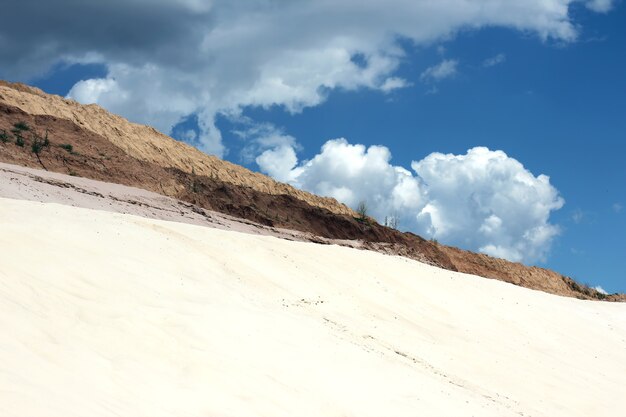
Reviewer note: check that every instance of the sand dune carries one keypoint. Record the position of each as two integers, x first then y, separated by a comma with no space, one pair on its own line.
107,314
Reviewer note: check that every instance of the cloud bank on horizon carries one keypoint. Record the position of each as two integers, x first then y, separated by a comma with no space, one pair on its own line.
167,60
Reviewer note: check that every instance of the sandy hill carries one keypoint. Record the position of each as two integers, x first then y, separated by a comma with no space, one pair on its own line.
147,144
139,277
89,142
107,314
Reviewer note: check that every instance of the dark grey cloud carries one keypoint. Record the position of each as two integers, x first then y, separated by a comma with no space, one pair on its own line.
38,33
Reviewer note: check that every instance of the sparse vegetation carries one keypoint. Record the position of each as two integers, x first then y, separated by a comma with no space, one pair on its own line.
391,222
36,146
19,141
68,147
583,289
194,182
4,138
361,210
39,144
21,126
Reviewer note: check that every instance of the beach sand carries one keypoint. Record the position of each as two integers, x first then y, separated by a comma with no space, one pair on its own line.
110,314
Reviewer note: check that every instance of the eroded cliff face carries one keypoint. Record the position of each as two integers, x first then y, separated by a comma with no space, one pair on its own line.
144,143
108,148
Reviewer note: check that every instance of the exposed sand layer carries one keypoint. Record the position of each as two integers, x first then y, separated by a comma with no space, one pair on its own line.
24,183
108,314
147,144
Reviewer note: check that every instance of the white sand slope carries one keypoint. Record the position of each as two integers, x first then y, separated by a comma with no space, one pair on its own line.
105,314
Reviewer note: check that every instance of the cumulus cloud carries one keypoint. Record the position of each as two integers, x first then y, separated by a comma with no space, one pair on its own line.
483,200
279,162
494,60
89,91
488,201
168,59
445,69
352,173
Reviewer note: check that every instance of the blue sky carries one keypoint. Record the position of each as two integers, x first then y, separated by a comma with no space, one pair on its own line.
549,91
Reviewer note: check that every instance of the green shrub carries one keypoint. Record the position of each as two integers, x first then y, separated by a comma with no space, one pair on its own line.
19,141
38,145
21,126
361,210
4,138
68,147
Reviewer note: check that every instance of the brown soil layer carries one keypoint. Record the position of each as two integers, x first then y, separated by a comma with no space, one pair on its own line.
94,156
146,144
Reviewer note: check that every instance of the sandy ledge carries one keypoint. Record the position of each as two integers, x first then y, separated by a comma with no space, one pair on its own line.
22,183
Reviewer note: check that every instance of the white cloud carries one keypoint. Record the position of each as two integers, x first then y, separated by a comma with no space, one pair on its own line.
394,83
577,216
601,290
354,173
212,57
494,60
445,69
261,137
600,6
617,207
483,200
489,201
188,135
279,162
89,91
